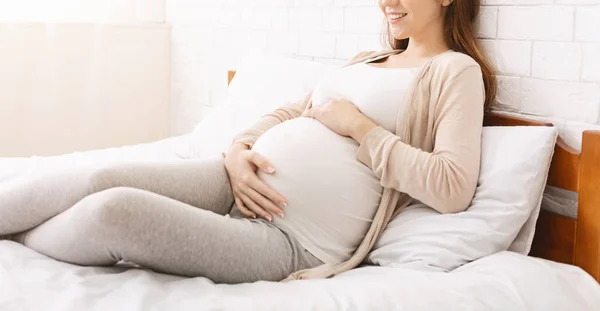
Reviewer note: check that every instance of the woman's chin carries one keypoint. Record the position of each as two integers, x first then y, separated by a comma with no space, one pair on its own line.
399,34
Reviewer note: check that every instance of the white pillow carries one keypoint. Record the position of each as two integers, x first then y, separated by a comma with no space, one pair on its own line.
514,168
260,86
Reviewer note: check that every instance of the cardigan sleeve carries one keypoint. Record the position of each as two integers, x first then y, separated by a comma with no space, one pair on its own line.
287,112
291,110
446,178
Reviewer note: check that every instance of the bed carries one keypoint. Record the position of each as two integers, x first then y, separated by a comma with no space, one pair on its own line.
504,281
559,237
562,272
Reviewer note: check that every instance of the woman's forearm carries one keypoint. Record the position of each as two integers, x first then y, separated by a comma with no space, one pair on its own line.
287,112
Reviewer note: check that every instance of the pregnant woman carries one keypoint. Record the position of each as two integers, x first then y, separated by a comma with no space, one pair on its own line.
308,189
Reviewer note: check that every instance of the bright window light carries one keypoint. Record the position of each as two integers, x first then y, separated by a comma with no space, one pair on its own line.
151,11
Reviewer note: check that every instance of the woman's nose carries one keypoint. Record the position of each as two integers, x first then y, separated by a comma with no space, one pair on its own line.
389,2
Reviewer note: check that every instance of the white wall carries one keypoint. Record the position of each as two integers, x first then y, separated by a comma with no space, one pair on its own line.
78,86
547,51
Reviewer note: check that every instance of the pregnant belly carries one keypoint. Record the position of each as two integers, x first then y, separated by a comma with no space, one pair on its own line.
329,192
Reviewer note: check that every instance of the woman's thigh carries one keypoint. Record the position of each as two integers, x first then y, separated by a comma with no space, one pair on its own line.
168,236
201,183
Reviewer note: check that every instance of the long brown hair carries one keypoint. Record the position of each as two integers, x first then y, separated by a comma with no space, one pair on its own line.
459,31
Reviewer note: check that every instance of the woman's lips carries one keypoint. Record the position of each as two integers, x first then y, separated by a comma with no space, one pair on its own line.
396,18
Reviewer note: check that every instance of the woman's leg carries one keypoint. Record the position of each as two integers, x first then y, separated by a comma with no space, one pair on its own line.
201,183
168,236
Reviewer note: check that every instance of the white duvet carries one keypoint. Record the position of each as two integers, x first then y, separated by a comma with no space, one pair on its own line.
503,281
12,169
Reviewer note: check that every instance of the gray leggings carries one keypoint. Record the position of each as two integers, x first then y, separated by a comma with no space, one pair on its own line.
171,217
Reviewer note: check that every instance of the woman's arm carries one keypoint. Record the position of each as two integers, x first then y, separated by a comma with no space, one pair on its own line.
445,178
290,111
287,112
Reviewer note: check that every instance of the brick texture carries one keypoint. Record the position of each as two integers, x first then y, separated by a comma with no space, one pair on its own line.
545,51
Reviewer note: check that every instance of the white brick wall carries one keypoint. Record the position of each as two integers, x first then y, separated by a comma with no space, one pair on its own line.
547,52
547,56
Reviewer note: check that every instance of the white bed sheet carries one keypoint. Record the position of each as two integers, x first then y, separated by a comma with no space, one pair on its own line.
504,281
14,169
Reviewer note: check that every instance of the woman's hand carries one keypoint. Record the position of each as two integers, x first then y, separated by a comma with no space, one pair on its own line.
252,196
342,117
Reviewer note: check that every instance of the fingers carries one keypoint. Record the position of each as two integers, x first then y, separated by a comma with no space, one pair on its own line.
268,192
243,209
255,208
256,197
262,163
263,202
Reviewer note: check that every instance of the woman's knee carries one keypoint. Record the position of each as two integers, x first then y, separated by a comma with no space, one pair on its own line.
113,207
103,178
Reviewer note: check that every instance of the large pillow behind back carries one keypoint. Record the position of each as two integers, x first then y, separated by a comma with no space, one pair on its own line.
261,85
514,169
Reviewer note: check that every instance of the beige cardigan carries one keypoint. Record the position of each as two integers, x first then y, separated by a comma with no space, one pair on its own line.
434,155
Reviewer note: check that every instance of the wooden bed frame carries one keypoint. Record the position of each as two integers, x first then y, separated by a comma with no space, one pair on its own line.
559,238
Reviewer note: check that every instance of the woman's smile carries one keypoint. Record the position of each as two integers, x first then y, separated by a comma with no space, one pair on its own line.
394,18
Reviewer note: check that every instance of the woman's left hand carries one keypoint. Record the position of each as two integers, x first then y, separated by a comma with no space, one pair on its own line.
341,116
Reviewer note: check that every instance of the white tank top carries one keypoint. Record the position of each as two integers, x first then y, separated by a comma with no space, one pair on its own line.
332,197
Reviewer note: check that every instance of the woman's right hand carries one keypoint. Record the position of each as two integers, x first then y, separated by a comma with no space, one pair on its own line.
252,196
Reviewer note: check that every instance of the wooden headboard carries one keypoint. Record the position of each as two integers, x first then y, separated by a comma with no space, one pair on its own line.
559,238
